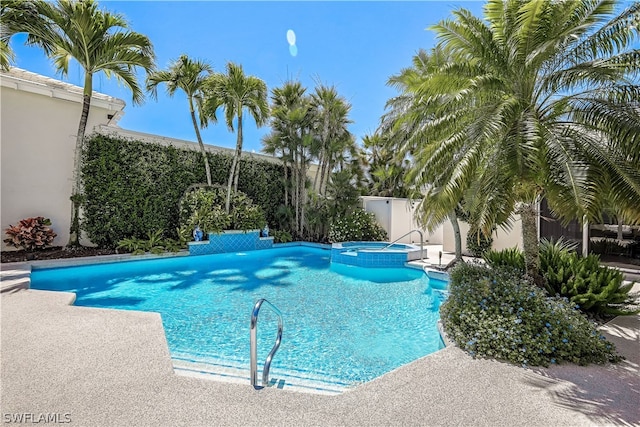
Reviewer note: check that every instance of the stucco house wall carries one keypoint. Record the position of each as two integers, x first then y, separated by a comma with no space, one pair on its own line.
39,122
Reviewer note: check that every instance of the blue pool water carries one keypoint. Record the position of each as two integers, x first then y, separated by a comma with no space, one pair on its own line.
342,324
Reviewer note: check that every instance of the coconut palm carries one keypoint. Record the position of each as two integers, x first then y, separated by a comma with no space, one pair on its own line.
100,42
188,75
234,92
538,99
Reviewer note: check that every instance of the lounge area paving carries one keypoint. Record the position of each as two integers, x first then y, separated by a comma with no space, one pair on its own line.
112,368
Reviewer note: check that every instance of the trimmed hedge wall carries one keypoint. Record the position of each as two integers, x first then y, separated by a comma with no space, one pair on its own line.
132,187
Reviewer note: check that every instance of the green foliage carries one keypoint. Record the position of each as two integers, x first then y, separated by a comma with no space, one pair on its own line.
478,244
132,187
357,225
510,257
493,312
154,243
204,207
596,289
281,236
30,234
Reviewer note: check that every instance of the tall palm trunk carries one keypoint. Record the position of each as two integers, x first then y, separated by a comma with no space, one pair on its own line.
296,180
234,165
322,190
457,235
528,214
238,152
76,198
202,150
315,179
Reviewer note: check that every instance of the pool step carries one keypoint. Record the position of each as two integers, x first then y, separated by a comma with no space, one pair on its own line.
286,380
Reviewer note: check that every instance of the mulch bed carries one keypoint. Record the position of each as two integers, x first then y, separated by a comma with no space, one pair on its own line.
56,252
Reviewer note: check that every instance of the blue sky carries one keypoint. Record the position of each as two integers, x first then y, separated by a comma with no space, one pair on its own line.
355,46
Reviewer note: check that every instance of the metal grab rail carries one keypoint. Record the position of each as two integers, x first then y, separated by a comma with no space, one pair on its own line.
254,344
405,235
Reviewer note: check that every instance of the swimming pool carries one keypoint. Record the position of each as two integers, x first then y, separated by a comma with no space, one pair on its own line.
343,325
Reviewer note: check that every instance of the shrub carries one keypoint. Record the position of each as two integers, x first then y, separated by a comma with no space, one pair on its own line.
478,244
30,234
204,206
358,225
497,313
510,257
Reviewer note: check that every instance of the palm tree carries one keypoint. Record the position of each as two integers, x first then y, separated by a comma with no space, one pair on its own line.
539,99
235,92
99,41
292,124
331,111
189,76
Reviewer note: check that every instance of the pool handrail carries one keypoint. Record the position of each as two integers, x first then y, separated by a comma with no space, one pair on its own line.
415,230
254,344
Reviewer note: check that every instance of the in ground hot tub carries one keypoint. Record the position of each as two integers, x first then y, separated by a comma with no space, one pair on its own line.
375,254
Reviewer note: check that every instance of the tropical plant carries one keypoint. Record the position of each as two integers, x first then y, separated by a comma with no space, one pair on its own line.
506,258
154,243
500,314
99,41
538,99
188,75
386,171
30,234
234,92
596,289
281,236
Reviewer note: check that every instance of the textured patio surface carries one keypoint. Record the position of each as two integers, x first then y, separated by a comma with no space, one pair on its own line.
112,368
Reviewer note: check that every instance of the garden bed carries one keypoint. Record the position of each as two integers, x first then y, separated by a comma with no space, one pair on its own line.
56,252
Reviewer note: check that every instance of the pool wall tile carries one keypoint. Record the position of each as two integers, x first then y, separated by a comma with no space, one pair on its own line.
231,242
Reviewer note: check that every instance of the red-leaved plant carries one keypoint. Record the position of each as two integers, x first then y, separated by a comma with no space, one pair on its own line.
30,234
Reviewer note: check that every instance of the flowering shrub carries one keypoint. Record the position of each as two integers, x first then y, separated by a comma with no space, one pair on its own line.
358,225
497,313
30,234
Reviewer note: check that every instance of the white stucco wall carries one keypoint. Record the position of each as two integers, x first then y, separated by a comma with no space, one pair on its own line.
37,133
502,239
396,216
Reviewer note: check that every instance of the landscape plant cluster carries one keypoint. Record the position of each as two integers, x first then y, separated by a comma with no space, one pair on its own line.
597,290
499,313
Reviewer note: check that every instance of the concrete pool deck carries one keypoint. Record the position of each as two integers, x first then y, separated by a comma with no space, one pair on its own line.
112,368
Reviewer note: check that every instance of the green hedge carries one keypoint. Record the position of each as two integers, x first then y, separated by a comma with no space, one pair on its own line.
133,188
